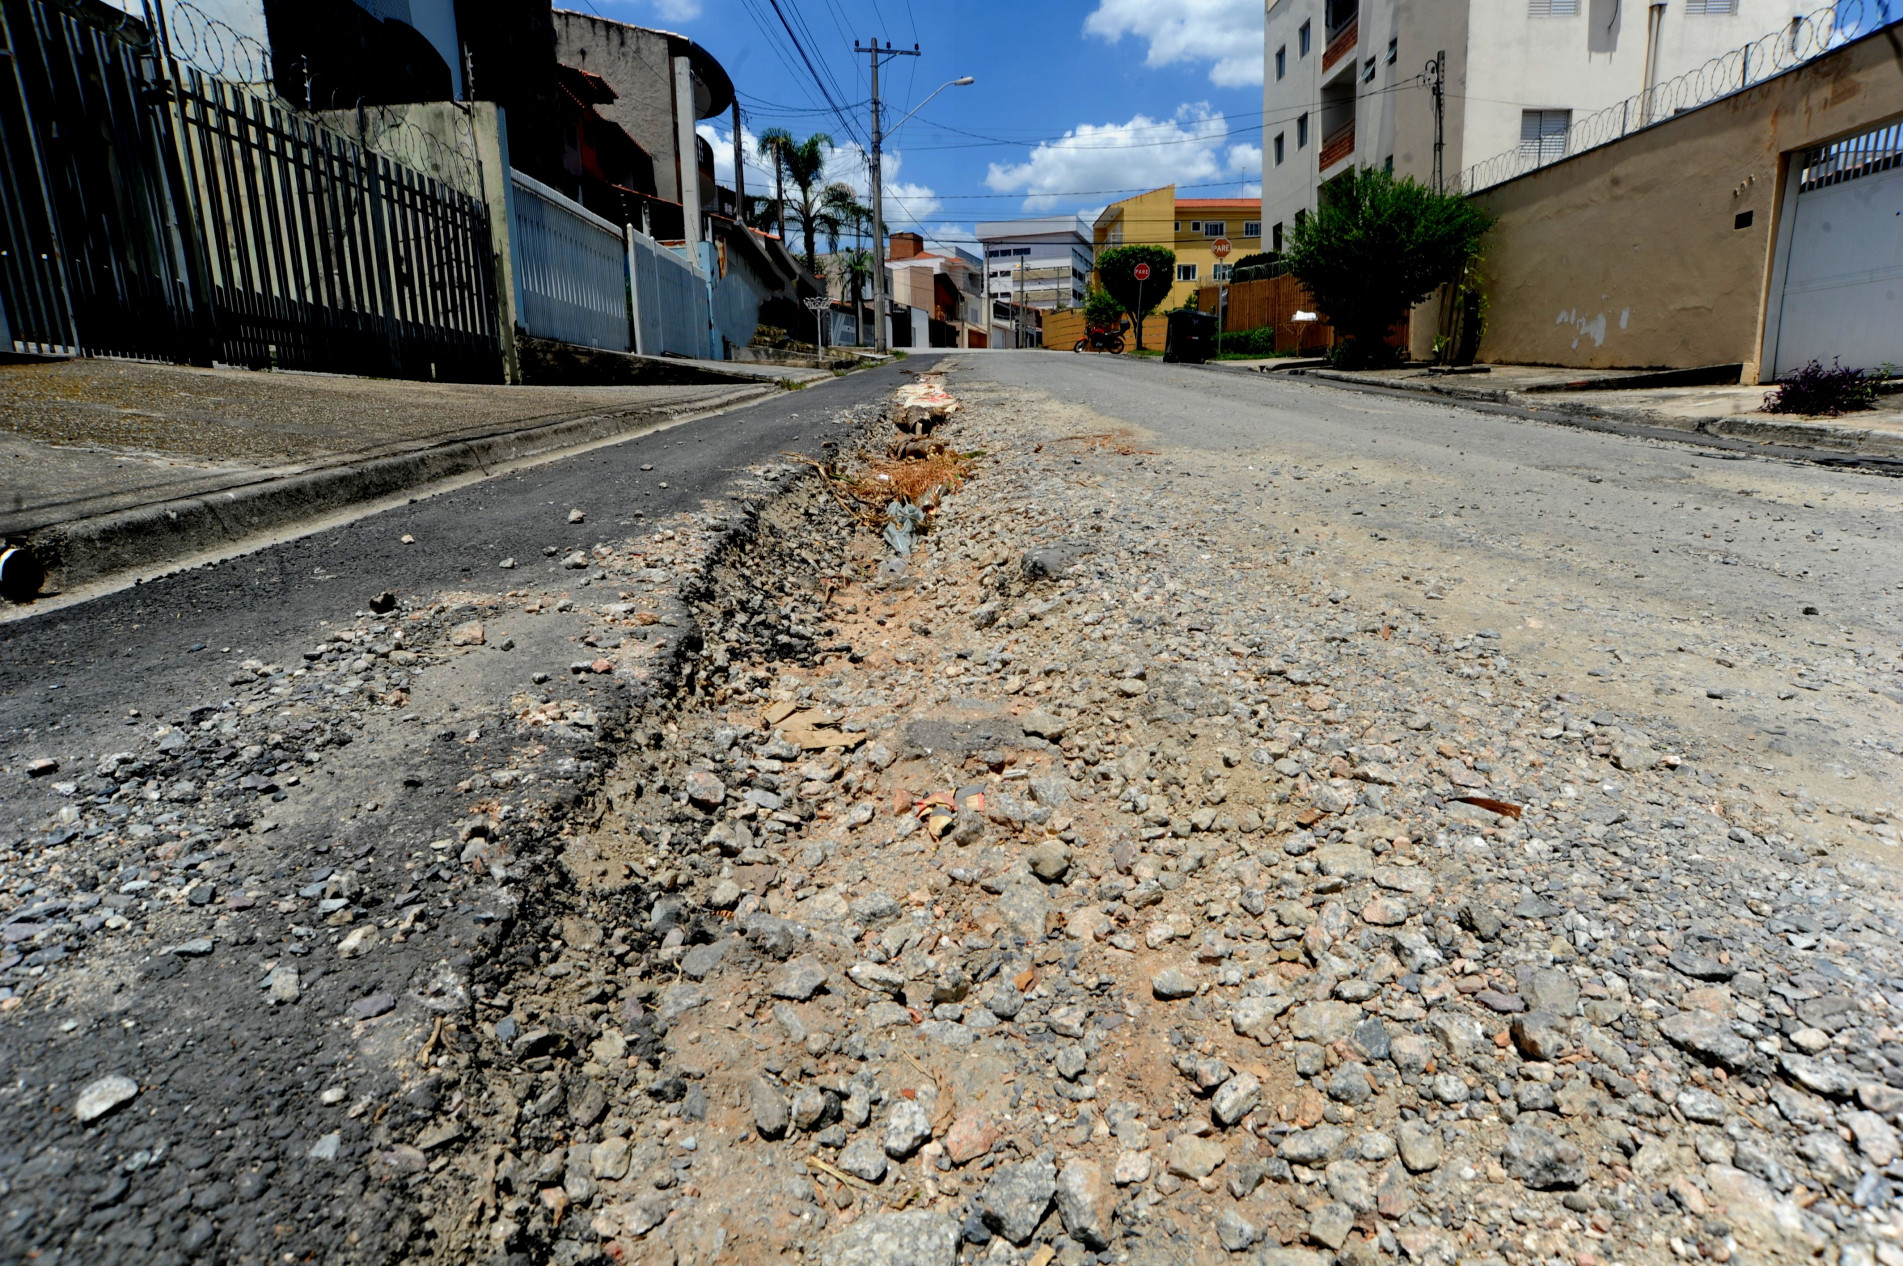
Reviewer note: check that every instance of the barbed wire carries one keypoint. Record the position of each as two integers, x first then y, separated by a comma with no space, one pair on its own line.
390,132
213,45
1806,37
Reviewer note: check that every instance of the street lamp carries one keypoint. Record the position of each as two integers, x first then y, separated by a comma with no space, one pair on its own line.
963,82
878,184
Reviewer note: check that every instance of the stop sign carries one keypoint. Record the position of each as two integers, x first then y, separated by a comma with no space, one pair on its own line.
1220,248
1141,272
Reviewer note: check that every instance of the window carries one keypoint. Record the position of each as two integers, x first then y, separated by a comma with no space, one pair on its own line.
1301,40
1252,228
1367,72
1220,272
1387,164
1176,226
1275,237
1279,138
1562,8
1186,272
1543,134
1394,50
1301,218
1215,228
1712,8
1281,61
1195,226
1301,132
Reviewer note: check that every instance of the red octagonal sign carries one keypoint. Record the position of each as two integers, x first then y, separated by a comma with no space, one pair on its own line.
1141,272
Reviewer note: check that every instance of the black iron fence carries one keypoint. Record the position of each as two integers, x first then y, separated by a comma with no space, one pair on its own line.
157,211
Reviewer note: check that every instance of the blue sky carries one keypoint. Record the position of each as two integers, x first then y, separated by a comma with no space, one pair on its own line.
1074,99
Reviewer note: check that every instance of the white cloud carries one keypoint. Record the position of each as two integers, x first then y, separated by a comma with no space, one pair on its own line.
677,10
1186,149
908,204
1225,33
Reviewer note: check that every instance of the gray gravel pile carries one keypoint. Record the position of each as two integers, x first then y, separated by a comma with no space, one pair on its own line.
1131,891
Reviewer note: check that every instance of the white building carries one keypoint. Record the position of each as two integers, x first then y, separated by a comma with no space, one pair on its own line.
1344,85
1043,263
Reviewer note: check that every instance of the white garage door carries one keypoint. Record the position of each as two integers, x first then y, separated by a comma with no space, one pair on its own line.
1843,278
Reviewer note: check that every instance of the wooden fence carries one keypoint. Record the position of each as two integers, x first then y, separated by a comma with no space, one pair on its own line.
1255,304
1063,328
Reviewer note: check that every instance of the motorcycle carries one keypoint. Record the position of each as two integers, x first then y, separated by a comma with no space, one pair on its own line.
1103,340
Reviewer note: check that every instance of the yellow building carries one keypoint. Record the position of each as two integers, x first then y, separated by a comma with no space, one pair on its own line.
1188,226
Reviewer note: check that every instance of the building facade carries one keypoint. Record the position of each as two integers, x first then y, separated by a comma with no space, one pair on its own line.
1189,226
948,289
1345,82
1041,263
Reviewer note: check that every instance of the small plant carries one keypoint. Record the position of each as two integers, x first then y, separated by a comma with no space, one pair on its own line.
1819,392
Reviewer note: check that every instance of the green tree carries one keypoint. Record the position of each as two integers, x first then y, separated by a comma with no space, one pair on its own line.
1116,271
1376,247
1101,309
806,167
774,145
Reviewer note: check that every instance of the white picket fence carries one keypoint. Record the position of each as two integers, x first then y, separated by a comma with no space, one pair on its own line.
582,279
671,302
570,269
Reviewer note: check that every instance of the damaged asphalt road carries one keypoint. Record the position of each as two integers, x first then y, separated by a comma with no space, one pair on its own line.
229,737
1176,858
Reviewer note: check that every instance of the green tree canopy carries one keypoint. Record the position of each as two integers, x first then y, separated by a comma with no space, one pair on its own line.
1116,272
1376,247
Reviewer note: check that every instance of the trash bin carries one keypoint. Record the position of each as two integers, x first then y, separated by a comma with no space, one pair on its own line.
1191,338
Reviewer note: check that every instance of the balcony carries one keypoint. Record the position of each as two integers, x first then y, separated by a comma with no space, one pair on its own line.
1341,44
1338,145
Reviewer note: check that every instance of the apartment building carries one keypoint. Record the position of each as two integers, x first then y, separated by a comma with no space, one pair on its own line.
1189,226
1041,263
1346,85
947,289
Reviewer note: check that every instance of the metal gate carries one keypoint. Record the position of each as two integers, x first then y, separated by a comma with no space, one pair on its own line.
157,211
1842,298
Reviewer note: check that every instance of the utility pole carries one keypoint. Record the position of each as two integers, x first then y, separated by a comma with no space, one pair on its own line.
876,55
739,171
1437,84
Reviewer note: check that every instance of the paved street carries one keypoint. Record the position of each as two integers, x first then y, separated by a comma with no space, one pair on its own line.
577,909
1631,568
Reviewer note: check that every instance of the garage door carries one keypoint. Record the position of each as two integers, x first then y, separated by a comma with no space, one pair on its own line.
1843,277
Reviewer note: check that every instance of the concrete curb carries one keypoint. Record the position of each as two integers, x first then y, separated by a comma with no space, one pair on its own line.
93,548
1811,438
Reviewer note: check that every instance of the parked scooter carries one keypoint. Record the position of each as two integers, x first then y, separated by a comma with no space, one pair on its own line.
1103,340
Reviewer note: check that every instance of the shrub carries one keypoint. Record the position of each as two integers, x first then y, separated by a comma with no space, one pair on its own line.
1256,342
1376,247
1101,309
1817,391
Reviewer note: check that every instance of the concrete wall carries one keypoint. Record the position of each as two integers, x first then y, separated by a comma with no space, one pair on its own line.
635,63
1627,255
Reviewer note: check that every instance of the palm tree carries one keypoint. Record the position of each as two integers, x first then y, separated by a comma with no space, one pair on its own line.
857,268
805,165
774,145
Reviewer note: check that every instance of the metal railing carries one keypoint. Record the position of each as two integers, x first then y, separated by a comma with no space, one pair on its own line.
1806,38
1877,150
156,210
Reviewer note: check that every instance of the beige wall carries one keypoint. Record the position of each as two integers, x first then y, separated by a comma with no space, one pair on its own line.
1626,255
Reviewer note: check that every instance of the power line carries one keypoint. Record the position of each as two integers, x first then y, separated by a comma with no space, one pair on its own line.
819,81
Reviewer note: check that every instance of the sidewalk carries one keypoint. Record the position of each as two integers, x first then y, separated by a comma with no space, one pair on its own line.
1732,410
108,465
